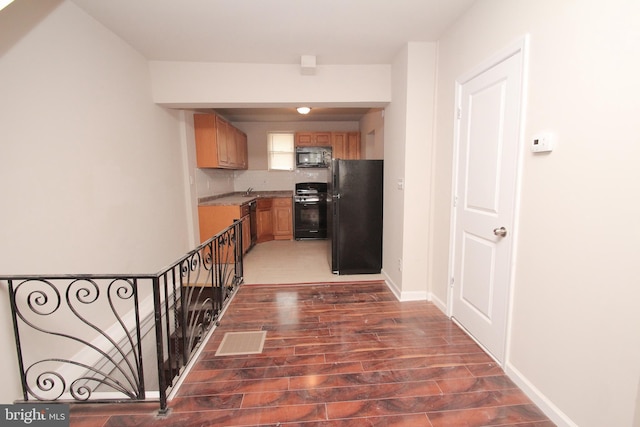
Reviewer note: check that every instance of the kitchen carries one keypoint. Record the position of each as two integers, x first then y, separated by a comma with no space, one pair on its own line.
223,191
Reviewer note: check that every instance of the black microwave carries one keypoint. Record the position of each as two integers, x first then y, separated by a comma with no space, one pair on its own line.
313,157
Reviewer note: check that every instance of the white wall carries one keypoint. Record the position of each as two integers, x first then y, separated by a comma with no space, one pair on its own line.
421,75
92,176
574,342
395,132
188,84
408,150
372,135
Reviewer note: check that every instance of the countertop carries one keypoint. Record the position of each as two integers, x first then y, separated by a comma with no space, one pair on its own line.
238,198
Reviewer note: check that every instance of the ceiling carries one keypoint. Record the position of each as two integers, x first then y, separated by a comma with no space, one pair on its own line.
276,32
291,115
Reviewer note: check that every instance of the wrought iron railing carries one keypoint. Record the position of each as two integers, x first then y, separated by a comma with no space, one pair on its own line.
122,337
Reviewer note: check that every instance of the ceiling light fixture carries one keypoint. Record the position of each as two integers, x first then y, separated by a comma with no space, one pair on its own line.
303,110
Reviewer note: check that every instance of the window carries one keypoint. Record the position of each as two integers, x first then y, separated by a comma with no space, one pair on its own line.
280,151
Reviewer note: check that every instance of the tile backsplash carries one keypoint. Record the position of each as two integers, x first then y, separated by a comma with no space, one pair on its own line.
213,182
277,180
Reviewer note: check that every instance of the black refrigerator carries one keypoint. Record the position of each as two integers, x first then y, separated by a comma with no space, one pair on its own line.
354,219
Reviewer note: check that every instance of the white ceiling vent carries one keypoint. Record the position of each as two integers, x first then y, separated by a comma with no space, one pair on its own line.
308,65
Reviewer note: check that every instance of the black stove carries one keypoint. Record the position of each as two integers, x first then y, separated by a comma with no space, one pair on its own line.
310,206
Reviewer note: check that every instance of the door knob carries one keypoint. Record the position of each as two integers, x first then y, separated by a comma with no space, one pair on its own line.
502,232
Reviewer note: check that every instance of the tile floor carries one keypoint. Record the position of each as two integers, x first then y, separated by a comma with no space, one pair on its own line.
336,354
290,261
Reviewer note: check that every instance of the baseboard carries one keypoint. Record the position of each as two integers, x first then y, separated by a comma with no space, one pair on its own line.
438,303
552,411
414,296
404,296
391,285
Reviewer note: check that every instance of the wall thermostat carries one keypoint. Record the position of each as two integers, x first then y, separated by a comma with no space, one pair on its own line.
543,142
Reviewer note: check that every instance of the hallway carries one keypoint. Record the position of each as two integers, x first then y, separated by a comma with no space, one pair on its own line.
342,354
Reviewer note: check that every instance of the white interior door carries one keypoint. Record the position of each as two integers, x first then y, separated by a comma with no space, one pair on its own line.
488,139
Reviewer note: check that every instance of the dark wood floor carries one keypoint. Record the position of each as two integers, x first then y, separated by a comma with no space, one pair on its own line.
337,355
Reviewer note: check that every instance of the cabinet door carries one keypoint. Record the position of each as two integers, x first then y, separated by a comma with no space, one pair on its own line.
353,146
282,219
303,139
232,147
214,219
313,139
264,220
241,149
246,233
322,139
206,140
223,144
339,142
265,225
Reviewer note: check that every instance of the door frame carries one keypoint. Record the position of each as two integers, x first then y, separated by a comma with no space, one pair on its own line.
520,46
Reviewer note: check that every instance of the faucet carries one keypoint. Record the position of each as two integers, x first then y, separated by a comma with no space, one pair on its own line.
249,190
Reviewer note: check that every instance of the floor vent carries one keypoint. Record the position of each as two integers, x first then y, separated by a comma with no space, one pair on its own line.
239,343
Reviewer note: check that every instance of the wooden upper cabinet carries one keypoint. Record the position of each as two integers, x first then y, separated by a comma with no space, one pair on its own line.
303,139
218,144
339,143
241,149
346,145
206,140
353,145
313,139
222,133
323,139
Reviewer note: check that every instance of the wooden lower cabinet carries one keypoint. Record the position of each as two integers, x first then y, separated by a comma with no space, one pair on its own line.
264,220
275,219
282,219
214,219
246,233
